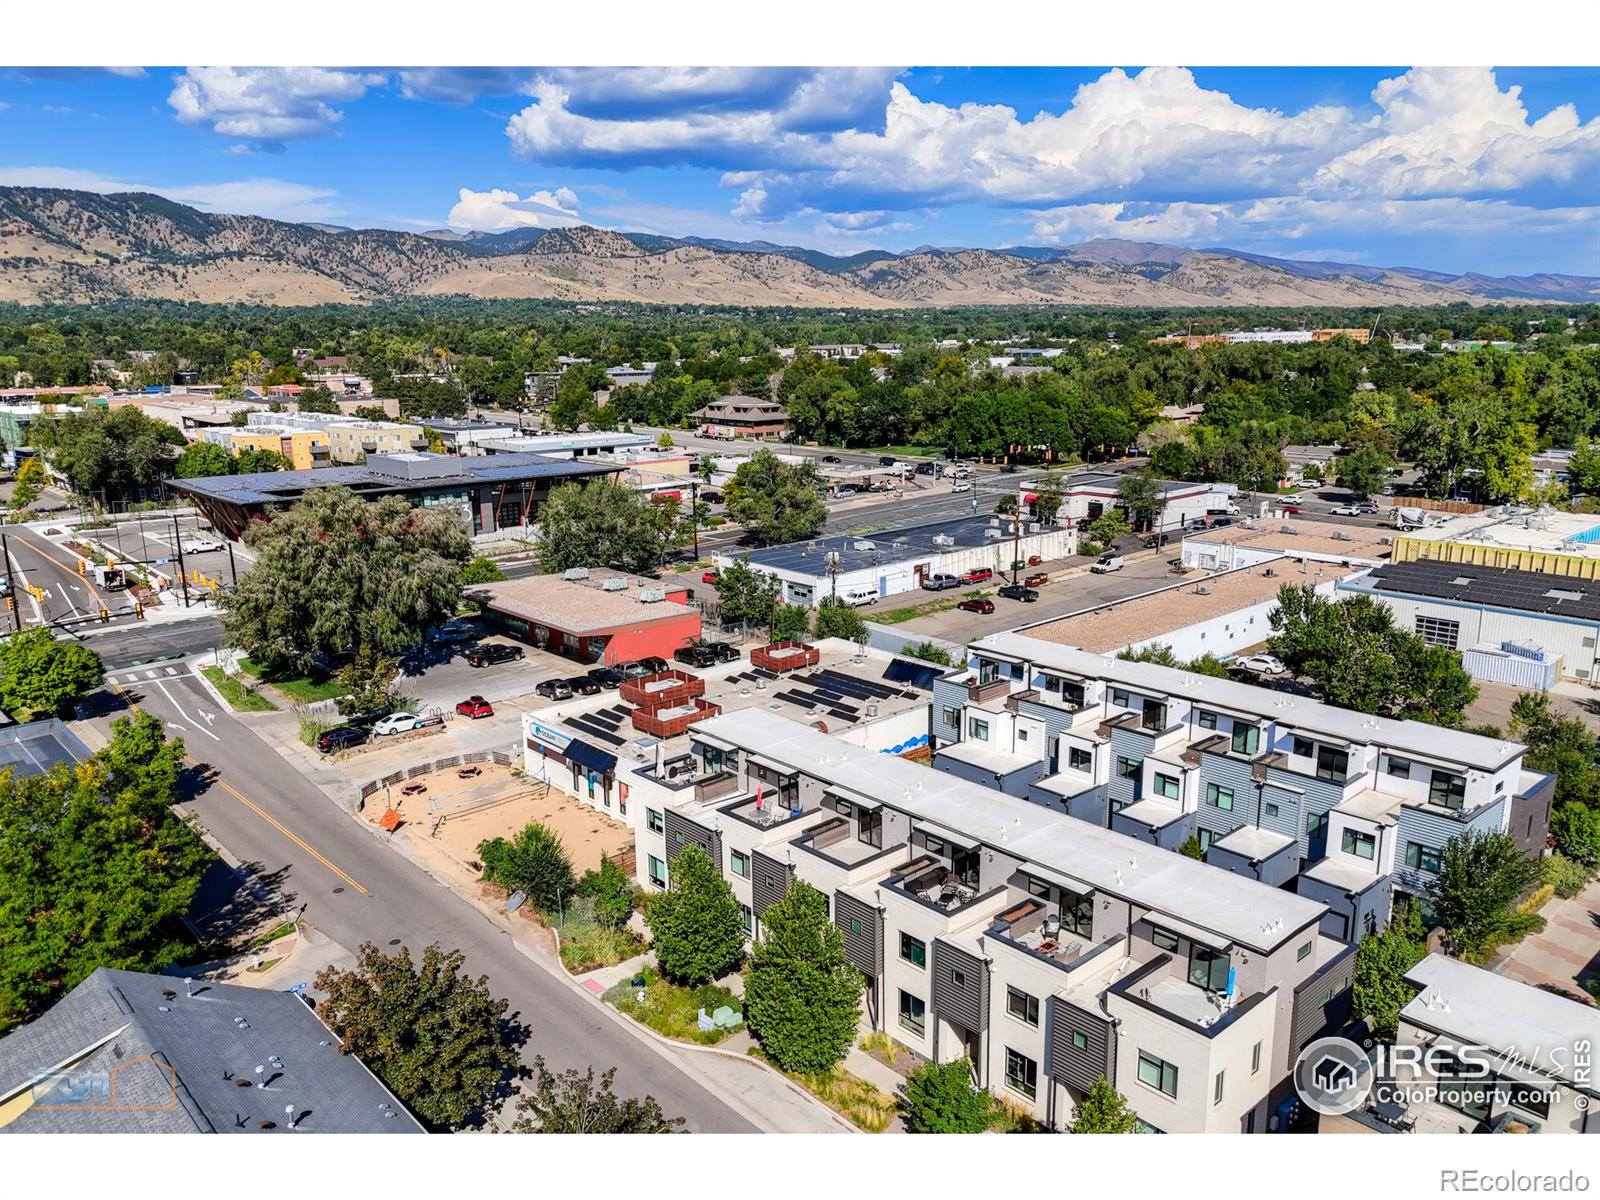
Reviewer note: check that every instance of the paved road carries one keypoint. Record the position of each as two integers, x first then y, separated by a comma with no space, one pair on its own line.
132,644
68,596
356,890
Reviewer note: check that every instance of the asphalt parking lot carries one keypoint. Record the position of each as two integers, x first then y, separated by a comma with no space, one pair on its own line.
439,676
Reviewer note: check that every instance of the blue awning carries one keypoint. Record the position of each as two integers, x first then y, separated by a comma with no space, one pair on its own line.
585,755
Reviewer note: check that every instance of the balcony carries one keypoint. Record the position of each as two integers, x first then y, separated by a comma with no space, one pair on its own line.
979,693
767,810
1014,701
927,880
1033,927
1152,988
1217,743
1259,768
835,841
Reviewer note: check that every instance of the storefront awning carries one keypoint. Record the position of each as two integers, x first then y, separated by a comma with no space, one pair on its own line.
592,757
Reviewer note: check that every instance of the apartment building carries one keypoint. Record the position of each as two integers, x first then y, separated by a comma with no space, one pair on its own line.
1047,951
350,441
1353,809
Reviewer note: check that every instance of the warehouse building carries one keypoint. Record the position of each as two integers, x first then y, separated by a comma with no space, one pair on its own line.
1524,539
1261,540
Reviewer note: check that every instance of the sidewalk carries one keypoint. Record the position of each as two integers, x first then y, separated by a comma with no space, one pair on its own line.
1564,956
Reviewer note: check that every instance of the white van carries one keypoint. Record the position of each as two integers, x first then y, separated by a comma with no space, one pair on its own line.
1106,564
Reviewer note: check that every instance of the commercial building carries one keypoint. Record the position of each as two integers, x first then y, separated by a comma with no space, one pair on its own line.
495,495
1089,494
1255,541
593,616
742,416
1354,809
891,562
1510,626
568,445
16,419
1525,539
127,1052
473,436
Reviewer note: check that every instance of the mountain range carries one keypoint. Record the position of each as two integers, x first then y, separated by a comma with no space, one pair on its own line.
60,246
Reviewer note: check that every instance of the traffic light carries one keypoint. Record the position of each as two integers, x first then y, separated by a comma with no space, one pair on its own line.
138,611
104,616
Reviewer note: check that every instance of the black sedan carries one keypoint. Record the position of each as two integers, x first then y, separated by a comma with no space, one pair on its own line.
609,678
342,738
584,685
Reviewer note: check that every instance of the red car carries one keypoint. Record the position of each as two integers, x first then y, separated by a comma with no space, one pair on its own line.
977,606
978,576
1292,508
475,707
1037,579
710,577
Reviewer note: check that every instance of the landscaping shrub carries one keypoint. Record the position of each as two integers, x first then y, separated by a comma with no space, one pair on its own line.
1566,876
534,863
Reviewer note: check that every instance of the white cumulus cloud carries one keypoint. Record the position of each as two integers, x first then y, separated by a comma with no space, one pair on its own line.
500,209
267,105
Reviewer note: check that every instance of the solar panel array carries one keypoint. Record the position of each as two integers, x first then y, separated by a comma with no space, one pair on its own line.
1499,587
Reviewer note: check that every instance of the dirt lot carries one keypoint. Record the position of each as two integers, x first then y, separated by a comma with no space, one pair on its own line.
496,803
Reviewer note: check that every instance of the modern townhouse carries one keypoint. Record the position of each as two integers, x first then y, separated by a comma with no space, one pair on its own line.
1354,809
1046,950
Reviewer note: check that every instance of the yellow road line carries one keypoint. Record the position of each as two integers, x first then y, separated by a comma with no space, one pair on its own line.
83,575
257,809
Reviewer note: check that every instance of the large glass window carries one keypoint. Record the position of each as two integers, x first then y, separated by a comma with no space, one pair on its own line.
1437,631
988,670
1079,759
1423,858
1166,785
1158,1073
739,863
1077,913
1206,720
870,828
1022,1006
1219,797
1208,968
1399,767
1246,739
977,730
913,1013
1448,790
913,950
1303,747
1128,768
658,872
1362,845
1332,764
652,818
1155,715
1022,1074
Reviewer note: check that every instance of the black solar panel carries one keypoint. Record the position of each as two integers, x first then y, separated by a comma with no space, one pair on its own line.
1523,591
920,675
848,718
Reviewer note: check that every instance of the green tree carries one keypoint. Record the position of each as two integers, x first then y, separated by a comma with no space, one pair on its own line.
253,460
802,995
1140,493
1162,655
1047,497
1382,960
368,680
940,1098
696,930
534,863
1104,1110
1562,745
931,652
109,454
32,479
1104,530
372,412
612,892
41,677
337,572
1363,471
573,1103
606,524
1481,875
482,570
790,622
778,502
316,399
1584,469
1576,829
202,460
96,869
836,618
1191,848
744,595
436,1037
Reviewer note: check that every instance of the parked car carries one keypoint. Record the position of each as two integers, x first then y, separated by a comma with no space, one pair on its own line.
553,689
696,656
1368,509
711,497
398,722
1106,564
1037,579
977,575
1198,524
886,460
634,670
1009,468
1296,498
938,583
725,651
711,576
1292,508
1265,664
1016,591
609,678
475,707
1221,522
977,604
960,471
452,635
342,738
927,468
584,685
1156,540
199,545
493,654
654,665
843,493
961,485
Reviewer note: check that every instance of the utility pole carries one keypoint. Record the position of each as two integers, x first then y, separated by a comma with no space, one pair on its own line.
11,586
694,515
233,567
177,540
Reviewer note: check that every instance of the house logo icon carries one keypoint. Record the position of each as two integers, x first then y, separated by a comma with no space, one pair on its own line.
1333,1076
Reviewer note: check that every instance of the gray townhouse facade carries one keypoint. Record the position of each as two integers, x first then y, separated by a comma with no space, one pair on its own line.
1048,951
1351,810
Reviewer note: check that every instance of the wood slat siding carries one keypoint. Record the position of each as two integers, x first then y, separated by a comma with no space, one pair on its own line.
966,1003
769,880
864,948
952,695
1436,830
1312,1020
681,832
1074,1067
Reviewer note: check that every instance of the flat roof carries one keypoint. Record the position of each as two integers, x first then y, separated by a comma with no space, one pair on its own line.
1240,909
34,748
1098,481
1430,742
269,487
1551,1033
580,607
1107,628
1254,843
1542,530
882,546
1496,587
1288,536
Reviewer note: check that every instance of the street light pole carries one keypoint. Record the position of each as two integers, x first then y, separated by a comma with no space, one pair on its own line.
694,514
183,575
11,586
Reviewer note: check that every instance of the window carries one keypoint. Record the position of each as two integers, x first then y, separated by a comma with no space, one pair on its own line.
1080,1040
1219,797
1022,1006
1216,1088
1119,697
739,864
977,729
1362,845
1255,1058
1038,887
1205,837
1208,969
652,818
913,1013
1166,785
1022,734
748,920
1206,720
1332,765
1079,759
855,924
1157,1073
958,977
1529,1097
1155,715
1399,767
933,845
677,838
658,872
1436,631
952,716
913,950
1163,939
1077,913
1423,858
1246,739
1303,747
1128,768
988,670
1447,790
1302,952
1022,1074
1271,809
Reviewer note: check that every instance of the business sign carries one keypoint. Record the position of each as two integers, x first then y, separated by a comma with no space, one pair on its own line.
547,735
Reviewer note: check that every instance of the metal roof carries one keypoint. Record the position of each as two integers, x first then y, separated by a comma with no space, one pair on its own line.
885,546
1496,587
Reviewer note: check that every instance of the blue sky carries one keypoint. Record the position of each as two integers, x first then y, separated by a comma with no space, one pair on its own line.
1451,169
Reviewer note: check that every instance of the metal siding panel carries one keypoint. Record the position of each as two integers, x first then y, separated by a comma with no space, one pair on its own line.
947,695
1229,773
1312,1019
864,949
678,826
769,881
967,1002
1319,797
1074,1067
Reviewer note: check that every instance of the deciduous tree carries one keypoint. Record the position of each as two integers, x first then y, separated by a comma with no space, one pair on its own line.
1382,960
1481,875
606,524
1104,1110
696,929
802,995
41,677
574,1103
203,460
940,1098
534,863
777,501
836,618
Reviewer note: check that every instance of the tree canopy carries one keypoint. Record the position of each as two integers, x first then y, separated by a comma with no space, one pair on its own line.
1103,1110
1481,875
697,933
1382,960
777,501
41,677
108,454
572,1103
606,524
534,863
940,1098
802,995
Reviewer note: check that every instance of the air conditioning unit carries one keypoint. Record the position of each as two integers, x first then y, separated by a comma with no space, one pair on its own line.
864,546
943,539
575,573
993,533
652,596
614,584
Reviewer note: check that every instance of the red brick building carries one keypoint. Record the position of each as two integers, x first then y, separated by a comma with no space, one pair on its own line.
598,617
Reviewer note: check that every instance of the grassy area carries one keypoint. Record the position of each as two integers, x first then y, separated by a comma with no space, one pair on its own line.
587,945
1007,1118
303,689
897,616
239,697
283,929
672,1010
865,1105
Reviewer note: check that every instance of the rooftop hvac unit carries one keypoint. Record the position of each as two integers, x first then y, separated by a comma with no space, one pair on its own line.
866,545
575,573
943,539
1034,527
993,533
652,596
614,584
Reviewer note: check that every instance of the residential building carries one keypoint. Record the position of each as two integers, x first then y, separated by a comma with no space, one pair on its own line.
1518,627
1526,539
742,416
16,419
1353,809
349,441
127,1052
306,449
594,615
